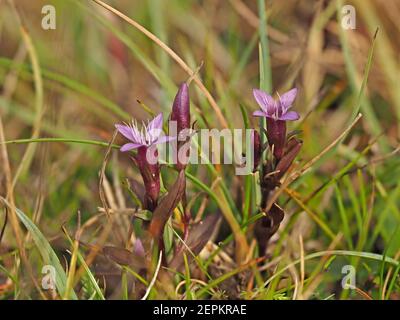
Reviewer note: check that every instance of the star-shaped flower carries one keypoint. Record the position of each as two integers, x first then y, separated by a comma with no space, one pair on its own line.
276,109
147,136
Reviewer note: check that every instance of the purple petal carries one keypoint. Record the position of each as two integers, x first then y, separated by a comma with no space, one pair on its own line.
279,110
164,139
154,134
138,248
260,113
126,131
156,123
287,98
137,136
290,116
265,101
130,146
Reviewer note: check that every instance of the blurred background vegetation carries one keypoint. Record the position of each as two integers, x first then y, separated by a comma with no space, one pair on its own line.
77,81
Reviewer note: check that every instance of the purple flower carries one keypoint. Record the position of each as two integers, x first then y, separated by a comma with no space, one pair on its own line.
145,140
276,109
148,135
277,113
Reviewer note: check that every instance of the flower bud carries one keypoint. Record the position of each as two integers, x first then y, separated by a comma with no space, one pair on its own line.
181,108
181,115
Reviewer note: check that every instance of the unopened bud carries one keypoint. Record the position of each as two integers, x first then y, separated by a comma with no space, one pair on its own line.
181,115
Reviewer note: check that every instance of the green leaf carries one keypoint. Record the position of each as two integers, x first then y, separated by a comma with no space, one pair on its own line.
46,251
89,282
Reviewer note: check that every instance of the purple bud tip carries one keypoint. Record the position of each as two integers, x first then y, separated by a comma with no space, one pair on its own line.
138,248
181,116
181,108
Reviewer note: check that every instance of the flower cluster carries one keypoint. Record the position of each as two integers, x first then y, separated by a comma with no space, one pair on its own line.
144,141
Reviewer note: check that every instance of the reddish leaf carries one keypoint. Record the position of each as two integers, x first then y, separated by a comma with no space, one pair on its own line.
292,149
267,226
124,257
166,206
199,234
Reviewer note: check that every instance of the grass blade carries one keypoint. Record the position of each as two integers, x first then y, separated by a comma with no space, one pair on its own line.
46,251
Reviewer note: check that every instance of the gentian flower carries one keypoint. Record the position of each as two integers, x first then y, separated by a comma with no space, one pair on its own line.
277,113
142,140
276,109
149,134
